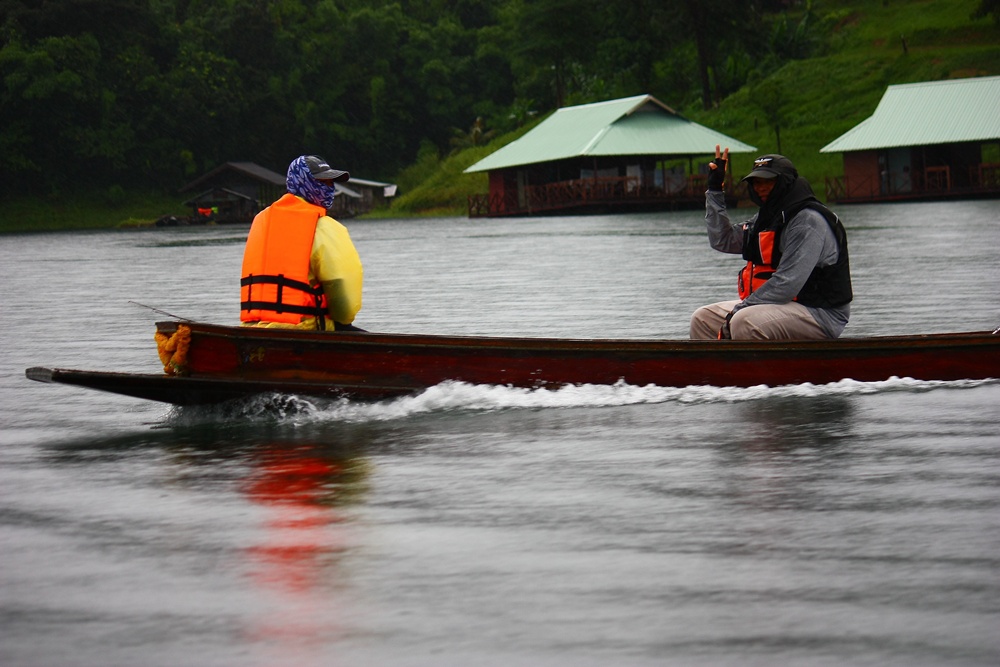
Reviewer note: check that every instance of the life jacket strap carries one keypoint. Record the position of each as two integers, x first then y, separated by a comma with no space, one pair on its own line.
317,310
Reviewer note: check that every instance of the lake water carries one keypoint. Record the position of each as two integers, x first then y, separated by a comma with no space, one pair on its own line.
846,524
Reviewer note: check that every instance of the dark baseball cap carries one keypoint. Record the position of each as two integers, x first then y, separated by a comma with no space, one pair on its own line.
772,166
322,171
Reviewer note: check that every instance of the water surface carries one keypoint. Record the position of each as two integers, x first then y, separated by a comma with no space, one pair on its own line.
845,524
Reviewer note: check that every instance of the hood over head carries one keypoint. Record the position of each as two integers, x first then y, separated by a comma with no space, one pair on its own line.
791,191
785,176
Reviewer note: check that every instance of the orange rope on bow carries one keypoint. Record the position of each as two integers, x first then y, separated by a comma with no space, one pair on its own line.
173,350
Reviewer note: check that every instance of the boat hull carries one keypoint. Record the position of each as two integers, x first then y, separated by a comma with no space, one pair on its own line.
229,362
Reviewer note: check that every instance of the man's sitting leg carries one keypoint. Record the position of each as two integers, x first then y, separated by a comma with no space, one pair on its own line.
786,321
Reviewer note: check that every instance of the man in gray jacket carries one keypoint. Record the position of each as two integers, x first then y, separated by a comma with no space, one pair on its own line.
796,283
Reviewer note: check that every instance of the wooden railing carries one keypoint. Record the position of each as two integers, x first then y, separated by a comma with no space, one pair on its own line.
587,193
986,175
934,181
937,179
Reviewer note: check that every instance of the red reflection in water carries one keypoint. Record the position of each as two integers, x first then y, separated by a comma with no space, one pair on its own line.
292,489
295,561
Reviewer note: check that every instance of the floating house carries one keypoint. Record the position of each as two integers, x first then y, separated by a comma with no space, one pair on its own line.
634,153
931,140
236,191
233,192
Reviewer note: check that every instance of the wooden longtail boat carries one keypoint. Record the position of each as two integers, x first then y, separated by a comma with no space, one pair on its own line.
205,363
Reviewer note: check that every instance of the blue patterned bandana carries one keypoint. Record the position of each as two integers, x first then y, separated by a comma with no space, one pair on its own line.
300,182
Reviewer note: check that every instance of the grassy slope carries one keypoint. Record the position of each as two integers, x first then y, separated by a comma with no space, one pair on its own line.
819,99
438,187
825,96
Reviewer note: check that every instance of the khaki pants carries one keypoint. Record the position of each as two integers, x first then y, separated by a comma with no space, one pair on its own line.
786,321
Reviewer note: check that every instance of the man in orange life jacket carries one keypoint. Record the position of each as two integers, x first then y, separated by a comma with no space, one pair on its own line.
300,268
796,283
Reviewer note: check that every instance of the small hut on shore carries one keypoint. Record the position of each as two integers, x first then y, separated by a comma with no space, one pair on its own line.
929,140
235,192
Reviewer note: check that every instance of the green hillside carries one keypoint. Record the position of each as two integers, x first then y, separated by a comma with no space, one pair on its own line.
864,47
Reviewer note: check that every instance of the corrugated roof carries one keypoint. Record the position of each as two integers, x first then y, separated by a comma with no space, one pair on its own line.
259,172
254,171
640,125
370,184
927,113
346,191
265,175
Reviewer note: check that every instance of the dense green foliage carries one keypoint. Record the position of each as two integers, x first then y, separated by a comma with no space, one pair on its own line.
140,92
114,96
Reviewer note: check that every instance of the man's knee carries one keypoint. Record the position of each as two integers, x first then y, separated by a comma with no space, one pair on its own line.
707,320
743,327
703,324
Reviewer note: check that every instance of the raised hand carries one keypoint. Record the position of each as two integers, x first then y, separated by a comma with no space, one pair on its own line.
717,169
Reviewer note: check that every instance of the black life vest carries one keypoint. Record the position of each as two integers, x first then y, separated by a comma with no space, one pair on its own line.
826,287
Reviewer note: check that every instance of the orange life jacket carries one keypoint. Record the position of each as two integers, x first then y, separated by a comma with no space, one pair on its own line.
757,270
275,285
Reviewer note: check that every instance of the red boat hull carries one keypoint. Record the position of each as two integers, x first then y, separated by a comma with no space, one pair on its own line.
226,362
415,361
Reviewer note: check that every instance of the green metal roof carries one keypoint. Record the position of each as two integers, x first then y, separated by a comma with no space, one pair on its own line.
923,114
640,125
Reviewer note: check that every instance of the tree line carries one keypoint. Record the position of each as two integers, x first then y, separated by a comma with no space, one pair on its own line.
135,93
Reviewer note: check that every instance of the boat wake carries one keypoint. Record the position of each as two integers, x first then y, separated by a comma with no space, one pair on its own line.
461,396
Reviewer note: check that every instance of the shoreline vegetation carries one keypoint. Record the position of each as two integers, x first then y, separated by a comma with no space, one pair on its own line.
795,110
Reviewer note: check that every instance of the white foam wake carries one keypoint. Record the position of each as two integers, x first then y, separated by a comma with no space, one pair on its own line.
453,396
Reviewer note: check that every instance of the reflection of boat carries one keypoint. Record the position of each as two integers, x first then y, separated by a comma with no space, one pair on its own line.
207,363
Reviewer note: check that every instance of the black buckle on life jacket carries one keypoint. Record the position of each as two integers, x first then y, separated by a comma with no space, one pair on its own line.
316,310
